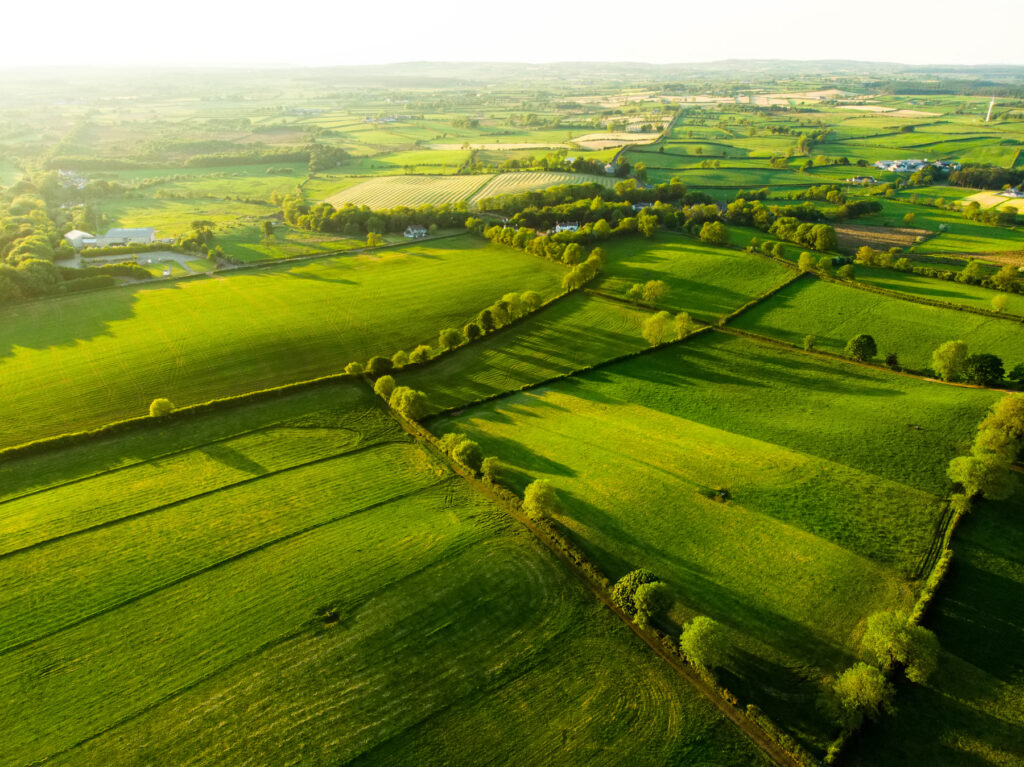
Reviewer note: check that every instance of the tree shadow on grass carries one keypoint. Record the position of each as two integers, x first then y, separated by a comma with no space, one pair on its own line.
228,456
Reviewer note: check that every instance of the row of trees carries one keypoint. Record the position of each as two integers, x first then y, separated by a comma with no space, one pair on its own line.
987,470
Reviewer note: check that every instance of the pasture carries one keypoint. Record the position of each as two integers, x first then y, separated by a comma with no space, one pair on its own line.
835,313
939,290
704,280
637,449
373,608
105,355
574,332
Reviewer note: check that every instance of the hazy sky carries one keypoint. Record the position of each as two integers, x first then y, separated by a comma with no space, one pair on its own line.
325,32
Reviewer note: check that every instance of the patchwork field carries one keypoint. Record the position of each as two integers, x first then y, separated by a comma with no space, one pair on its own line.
940,290
106,355
393,191
637,449
575,332
706,281
516,183
834,314
303,559
972,711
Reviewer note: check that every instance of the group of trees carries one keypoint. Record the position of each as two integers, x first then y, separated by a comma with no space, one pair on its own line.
979,176
987,470
951,362
663,326
357,221
641,596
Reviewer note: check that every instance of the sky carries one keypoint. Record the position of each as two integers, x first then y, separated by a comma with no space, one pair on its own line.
342,32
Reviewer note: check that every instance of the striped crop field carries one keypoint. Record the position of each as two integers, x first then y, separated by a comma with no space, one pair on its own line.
515,183
410,191
264,598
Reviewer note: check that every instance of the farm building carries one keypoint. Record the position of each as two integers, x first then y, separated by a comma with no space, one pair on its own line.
910,166
140,236
415,231
641,205
1012,192
609,169
568,226
76,238
862,180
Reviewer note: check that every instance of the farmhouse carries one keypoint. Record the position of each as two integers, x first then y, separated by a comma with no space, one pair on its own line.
910,166
76,238
140,236
609,169
1012,191
862,180
641,205
415,231
568,226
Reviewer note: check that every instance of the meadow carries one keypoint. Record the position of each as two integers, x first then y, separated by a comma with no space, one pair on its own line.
638,449
106,355
572,333
372,596
704,280
834,314
939,290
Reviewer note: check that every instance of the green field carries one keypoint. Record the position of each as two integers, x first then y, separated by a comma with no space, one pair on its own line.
835,313
706,281
575,332
939,290
248,243
105,355
188,622
637,448
972,711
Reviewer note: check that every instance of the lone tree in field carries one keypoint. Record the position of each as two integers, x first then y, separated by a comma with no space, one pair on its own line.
891,639
714,232
160,407
704,642
450,338
373,240
654,291
948,360
378,366
540,500
809,342
999,302
268,228
384,387
806,262
861,690
983,369
861,347
655,327
408,402
624,590
649,600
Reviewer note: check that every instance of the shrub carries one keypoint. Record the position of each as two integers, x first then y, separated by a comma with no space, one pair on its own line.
468,453
421,353
540,500
490,468
410,403
809,342
400,358
378,366
450,338
384,386
861,347
160,407
354,368
649,600
704,643
845,272
625,588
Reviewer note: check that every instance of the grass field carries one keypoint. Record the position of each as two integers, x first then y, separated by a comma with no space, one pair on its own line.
171,217
834,314
706,281
575,332
247,242
972,711
188,625
636,449
939,290
107,354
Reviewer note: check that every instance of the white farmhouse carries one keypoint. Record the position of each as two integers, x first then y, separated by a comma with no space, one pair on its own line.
413,232
77,239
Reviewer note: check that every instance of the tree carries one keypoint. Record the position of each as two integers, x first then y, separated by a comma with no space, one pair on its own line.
999,302
983,369
421,353
1017,374
845,272
540,500
647,224
862,690
861,347
1006,278
655,326
268,228
384,386
948,360
825,264
531,300
890,638
378,366
635,292
472,331
805,262
714,232
468,453
450,338
654,291
485,320
400,358
354,369
408,402
649,600
160,407
373,239
626,587
704,643
490,468
988,474
892,361
684,324
809,342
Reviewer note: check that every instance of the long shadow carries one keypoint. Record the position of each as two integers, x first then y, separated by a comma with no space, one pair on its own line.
230,457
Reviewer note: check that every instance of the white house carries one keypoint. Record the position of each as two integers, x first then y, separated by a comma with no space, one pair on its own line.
76,238
609,169
413,232
568,226
641,205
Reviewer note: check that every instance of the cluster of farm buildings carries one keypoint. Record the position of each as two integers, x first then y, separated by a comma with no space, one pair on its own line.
911,166
78,239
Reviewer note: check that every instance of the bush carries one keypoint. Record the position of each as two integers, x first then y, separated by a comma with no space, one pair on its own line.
540,500
625,589
450,338
384,386
861,347
378,366
490,469
704,643
161,407
354,368
400,358
468,453
410,403
421,353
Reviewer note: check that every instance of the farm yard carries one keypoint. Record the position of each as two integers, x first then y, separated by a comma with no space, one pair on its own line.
308,455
